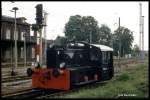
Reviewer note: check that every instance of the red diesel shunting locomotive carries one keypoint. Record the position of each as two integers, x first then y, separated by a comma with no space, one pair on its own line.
75,64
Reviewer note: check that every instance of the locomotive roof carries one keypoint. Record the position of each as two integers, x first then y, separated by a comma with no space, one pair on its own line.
80,45
102,47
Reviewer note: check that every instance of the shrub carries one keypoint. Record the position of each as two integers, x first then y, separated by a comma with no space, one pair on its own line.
123,77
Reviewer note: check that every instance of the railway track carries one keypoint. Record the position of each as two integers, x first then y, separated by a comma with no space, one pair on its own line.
14,78
37,93
61,93
15,83
28,93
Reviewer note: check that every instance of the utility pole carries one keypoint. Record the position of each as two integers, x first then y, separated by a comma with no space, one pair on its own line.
35,28
140,29
120,39
141,32
90,37
15,35
45,24
41,56
24,49
112,41
119,43
142,38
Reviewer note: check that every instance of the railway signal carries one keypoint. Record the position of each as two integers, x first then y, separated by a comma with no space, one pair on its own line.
39,14
37,28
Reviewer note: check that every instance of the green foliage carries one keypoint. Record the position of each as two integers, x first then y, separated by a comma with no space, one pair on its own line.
104,35
124,39
136,51
80,28
60,40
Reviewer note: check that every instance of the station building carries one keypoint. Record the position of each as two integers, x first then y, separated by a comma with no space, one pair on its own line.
23,30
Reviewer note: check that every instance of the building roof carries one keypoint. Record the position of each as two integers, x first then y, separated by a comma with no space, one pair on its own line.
11,19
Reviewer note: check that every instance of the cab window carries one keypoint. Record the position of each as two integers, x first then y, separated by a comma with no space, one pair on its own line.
106,57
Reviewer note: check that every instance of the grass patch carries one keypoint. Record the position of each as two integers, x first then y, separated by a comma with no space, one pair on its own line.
129,84
123,77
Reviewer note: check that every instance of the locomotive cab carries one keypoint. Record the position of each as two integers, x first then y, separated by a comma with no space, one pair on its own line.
75,64
107,69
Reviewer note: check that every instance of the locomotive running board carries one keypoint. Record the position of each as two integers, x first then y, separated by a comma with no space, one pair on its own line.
82,83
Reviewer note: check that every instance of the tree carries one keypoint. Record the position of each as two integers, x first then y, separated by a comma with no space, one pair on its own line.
136,51
104,35
123,39
60,40
81,28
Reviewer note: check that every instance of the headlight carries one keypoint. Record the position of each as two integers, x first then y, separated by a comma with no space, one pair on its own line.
62,65
37,65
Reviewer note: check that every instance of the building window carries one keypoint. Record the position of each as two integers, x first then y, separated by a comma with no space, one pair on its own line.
8,34
33,52
22,35
7,54
106,57
23,21
22,53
